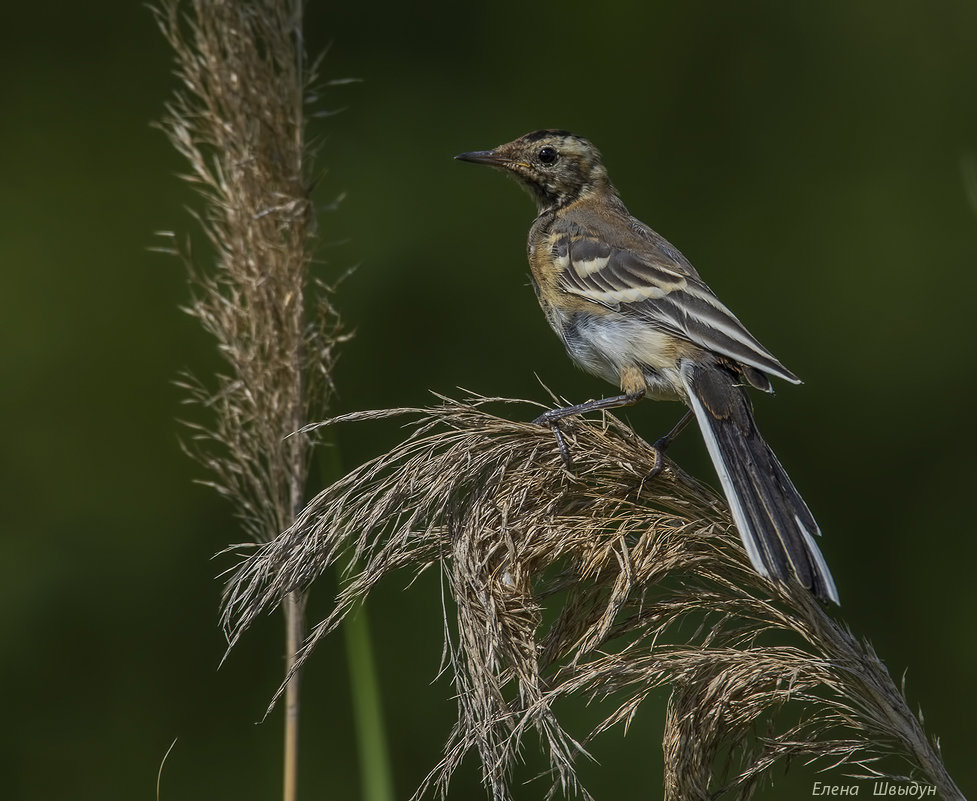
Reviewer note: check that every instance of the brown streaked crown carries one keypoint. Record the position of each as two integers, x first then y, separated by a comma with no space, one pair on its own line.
557,167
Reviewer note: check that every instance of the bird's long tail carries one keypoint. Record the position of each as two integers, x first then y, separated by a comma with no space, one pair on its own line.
774,523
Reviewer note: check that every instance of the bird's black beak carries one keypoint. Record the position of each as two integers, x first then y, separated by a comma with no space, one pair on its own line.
490,157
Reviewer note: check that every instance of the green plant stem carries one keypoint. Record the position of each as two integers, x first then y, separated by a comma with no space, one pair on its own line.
376,776
375,773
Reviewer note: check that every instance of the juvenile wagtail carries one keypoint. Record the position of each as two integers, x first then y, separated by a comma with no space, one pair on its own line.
631,309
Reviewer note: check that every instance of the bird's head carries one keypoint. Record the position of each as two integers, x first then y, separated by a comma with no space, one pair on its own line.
557,167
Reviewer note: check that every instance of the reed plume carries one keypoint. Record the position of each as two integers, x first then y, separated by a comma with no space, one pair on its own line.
646,583
239,121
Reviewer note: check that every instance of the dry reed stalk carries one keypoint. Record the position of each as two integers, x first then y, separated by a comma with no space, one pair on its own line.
765,675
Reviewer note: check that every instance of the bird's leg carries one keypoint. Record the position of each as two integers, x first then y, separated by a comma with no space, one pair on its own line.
552,417
661,444
561,443
627,399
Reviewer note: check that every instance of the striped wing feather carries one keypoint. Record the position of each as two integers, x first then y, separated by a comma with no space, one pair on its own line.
650,285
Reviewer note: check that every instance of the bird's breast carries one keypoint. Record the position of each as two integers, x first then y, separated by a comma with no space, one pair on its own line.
602,341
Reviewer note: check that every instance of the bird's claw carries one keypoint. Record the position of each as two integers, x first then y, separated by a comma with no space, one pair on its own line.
659,460
661,445
545,419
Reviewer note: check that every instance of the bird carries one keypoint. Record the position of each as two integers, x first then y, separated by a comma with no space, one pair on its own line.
631,309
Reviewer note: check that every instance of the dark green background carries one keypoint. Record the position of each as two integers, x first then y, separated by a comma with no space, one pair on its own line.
807,158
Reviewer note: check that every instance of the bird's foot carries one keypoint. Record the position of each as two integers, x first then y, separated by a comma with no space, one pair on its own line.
553,423
661,444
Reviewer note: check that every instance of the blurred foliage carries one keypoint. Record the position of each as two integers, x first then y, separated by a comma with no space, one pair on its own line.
805,156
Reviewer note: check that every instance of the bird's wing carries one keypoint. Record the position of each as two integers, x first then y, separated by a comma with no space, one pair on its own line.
648,284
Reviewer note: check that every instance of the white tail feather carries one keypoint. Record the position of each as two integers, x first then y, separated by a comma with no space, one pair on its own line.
758,544
729,488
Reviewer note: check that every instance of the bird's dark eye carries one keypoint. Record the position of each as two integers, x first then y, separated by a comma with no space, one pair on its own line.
548,155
